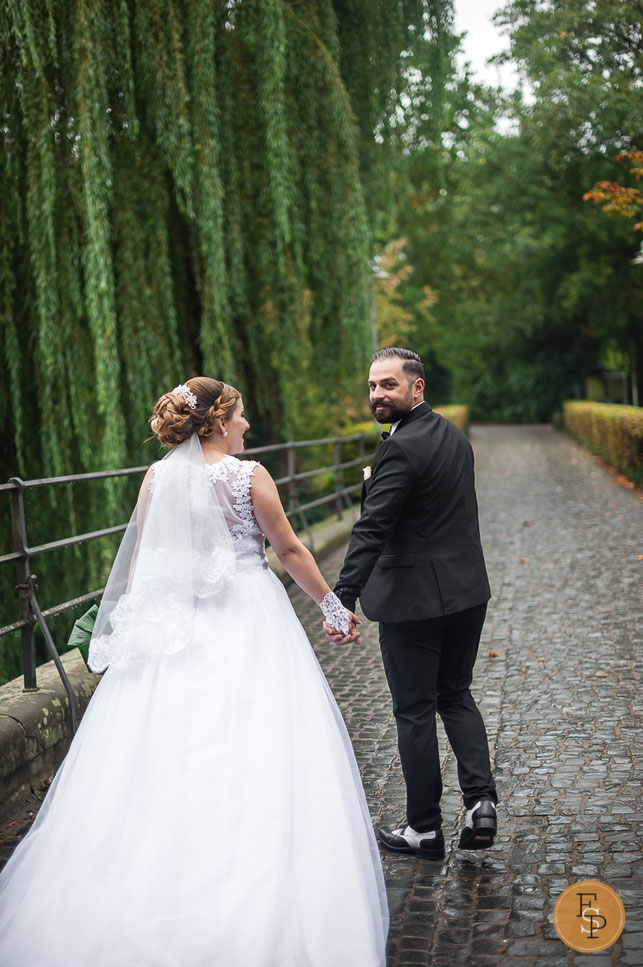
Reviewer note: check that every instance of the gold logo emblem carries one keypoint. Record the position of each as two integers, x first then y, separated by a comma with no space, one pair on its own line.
589,916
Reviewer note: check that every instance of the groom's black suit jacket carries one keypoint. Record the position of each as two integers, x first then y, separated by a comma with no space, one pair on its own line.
415,552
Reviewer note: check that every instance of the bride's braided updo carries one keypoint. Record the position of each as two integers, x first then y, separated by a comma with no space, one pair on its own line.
174,421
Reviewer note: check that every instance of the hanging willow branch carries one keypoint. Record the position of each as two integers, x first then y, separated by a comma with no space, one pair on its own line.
215,341
186,186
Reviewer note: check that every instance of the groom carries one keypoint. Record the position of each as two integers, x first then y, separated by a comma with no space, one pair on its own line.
416,563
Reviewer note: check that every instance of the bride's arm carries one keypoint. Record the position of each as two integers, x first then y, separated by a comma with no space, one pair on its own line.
141,509
144,496
295,557
272,520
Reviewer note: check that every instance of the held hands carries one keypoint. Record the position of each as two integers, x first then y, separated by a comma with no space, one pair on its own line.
338,637
340,624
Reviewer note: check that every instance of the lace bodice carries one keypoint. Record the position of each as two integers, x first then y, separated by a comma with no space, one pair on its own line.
231,478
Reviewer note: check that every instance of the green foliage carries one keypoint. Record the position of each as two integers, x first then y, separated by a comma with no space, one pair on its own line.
182,190
531,286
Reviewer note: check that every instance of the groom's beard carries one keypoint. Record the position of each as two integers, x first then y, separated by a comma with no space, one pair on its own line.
392,412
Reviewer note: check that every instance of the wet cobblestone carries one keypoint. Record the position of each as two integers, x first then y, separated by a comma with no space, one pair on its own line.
562,705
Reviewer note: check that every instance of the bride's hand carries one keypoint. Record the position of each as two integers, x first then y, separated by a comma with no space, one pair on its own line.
337,638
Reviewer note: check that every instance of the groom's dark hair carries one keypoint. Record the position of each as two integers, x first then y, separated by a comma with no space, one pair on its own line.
412,364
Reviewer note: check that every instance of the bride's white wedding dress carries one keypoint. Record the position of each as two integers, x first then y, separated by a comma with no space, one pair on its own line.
209,812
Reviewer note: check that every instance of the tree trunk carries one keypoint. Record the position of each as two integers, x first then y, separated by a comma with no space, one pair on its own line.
634,372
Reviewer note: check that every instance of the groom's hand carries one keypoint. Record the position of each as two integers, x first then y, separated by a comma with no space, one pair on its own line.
337,637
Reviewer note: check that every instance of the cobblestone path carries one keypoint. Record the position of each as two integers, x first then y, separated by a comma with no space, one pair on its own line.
562,704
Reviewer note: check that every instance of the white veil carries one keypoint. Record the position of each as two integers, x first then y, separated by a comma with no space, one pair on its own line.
177,548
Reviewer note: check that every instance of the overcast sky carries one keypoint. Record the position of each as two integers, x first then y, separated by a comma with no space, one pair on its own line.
483,40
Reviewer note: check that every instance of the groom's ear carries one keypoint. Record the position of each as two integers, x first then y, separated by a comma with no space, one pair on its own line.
418,389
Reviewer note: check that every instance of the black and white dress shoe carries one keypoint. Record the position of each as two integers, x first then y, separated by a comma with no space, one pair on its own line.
405,839
480,826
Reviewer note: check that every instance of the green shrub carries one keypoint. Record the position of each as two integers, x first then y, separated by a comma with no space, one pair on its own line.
365,426
455,414
612,432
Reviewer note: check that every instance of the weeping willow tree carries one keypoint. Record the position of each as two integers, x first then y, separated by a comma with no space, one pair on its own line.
183,190
187,186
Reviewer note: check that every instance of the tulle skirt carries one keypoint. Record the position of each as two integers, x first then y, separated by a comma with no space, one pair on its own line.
209,813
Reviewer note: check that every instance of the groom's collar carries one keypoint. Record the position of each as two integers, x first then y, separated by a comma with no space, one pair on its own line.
420,409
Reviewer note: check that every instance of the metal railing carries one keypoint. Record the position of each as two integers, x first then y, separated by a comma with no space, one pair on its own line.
22,555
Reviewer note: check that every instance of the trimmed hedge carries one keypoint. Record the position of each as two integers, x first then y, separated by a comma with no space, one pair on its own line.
454,414
614,433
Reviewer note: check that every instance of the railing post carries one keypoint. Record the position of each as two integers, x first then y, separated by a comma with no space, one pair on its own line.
292,483
54,654
23,583
293,492
339,478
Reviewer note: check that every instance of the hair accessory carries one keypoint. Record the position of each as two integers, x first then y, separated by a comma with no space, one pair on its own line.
187,395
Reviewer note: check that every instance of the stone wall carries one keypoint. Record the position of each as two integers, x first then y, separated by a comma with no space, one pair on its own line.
35,727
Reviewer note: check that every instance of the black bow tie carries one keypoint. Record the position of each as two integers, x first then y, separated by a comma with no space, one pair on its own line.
385,435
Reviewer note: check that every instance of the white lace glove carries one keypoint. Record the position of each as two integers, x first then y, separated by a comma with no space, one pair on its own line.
335,613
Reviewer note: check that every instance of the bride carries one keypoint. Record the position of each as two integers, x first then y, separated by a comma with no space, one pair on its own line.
209,812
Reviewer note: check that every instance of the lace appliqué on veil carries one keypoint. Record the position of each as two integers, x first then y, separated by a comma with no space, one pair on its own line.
152,481
148,612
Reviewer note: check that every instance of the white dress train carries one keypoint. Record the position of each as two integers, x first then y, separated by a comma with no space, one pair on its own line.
209,812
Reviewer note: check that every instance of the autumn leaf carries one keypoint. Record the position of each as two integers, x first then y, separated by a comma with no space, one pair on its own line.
617,199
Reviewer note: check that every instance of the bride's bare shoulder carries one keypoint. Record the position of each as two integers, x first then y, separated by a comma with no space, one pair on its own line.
262,485
260,478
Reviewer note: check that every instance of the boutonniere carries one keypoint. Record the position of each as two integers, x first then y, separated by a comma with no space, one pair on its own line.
366,473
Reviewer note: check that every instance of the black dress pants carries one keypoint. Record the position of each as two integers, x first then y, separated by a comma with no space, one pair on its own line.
429,667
